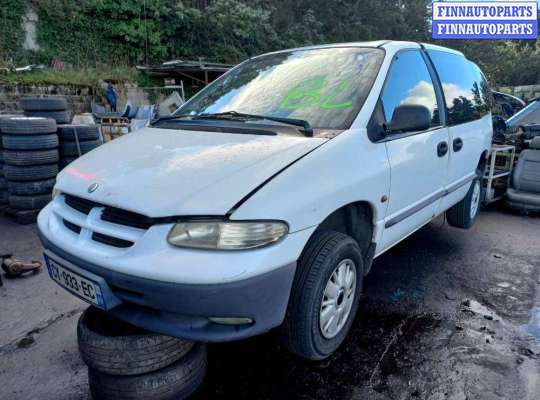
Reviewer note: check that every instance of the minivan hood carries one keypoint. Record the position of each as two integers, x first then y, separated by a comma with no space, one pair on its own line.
163,172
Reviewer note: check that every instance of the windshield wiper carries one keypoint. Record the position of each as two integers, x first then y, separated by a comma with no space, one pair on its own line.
234,115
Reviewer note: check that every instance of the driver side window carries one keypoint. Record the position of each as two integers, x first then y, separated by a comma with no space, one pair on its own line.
409,83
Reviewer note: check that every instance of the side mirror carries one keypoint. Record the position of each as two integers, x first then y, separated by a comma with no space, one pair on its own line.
409,118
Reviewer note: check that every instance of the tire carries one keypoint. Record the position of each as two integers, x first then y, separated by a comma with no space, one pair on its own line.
114,347
40,142
301,332
29,202
27,126
3,197
32,173
84,132
65,161
177,381
464,214
70,148
1,169
31,157
43,103
61,117
31,188
3,184
1,154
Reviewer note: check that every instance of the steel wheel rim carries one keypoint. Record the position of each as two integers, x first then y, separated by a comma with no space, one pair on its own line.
338,299
475,201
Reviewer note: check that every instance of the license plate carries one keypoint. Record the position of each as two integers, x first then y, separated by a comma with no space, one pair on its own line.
75,283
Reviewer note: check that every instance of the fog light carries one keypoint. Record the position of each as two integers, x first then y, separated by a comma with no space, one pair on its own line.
231,320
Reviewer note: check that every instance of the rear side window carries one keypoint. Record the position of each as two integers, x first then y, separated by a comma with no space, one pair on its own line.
409,83
465,89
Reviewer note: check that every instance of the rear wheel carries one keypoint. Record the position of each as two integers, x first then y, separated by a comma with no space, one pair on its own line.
464,214
325,295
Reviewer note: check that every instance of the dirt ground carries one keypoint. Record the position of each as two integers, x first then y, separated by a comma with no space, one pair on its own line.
446,314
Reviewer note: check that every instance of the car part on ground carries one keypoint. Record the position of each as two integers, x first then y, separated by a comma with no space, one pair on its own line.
114,347
325,295
177,381
498,172
525,191
14,267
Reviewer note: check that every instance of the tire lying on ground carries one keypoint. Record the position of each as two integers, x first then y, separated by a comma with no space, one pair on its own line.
31,157
43,103
31,188
61,117
113,347
31,173
84,132
177,381
38,142
27,126
70,148
29,202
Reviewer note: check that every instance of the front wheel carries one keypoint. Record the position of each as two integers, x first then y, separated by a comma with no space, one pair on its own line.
463,214
325,295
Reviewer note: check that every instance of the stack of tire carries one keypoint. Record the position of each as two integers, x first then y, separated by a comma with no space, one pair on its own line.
31,161
126,362
54,107
76,140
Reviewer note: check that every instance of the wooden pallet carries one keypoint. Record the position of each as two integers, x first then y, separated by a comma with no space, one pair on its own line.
23,217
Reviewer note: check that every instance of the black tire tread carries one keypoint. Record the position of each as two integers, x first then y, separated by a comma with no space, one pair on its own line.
49,103
61,117
31,188
30,173
29,202
27,126
84,132
70,148
39,142
31,157
132,354
176,381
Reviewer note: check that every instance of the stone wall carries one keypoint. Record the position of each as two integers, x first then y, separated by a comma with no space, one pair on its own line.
523,92
79,98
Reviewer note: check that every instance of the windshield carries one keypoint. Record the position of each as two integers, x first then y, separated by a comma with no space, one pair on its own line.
325,87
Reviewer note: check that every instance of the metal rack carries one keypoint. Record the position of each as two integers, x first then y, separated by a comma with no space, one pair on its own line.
499,171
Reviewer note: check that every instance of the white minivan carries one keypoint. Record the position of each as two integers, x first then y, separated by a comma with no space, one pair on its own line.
263,200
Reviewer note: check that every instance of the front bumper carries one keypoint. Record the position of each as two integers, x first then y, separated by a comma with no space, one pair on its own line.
182,310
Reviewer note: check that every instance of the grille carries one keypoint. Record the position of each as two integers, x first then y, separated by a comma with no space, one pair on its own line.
111,241
111,214
71,227
81,205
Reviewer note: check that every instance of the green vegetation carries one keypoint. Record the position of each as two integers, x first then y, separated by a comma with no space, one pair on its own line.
88,34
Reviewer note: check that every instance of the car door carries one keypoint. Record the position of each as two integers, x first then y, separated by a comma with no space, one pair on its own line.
418,160
467,99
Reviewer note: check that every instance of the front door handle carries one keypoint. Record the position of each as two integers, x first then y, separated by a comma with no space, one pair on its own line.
442,149
457,145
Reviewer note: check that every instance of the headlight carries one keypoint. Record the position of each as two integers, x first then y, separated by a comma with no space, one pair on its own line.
226,235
